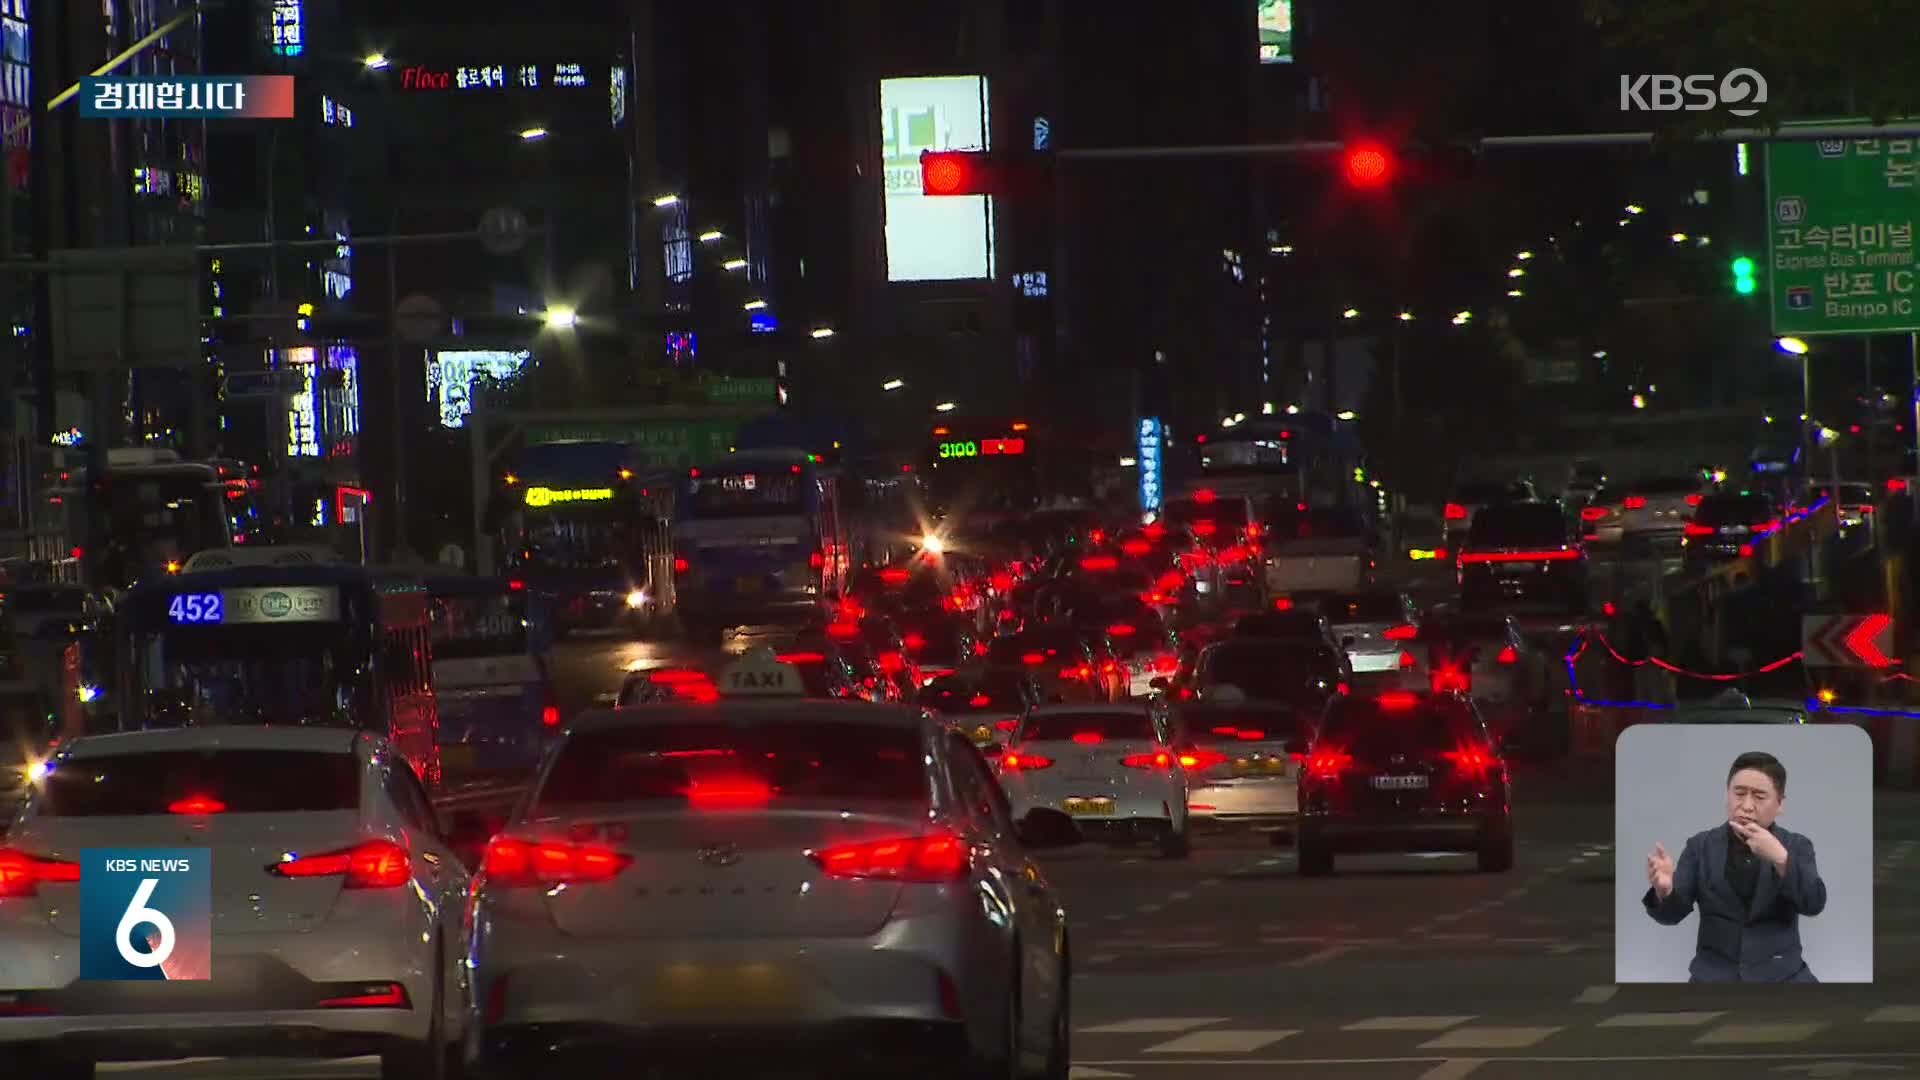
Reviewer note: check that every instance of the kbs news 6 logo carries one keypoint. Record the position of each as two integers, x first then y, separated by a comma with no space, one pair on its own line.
146,913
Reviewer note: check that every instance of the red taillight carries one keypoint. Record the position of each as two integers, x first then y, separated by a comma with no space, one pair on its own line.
1170,581
376,864
1014,761
979,701
680,565
926,859
196,804
1694,499
1343,689
1476,762
1201,759
893,576
1594,513
817,559
1135,548
675,677
721,792
1897,483
1121,630
1552,555
1327,764
372,996
1450,679
1403,632
1204,528
1033,659
1634,502
21,873
1166,664
1456,512
1692,529
1406,661
1099,562
516,585
1283,603
1507,656
1086,738
1398,700
1159,759
1001,582
550,716
916,642
521,864
1204,496
843,631
891,663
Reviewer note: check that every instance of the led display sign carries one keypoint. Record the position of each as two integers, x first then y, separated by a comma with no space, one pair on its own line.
230,607
497,77
453,373
540,497
1151,438
1276,31
937,238
971,448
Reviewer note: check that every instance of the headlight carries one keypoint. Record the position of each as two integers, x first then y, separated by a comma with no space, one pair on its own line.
932,545
637,598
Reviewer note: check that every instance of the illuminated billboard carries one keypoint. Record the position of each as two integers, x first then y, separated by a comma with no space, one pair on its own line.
943,238
451,375
1276,31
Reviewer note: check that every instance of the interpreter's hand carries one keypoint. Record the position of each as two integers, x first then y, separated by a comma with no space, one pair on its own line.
1660,871
1762,843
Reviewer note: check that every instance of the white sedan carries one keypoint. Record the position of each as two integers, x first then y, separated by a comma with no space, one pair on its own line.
329,932
1112,768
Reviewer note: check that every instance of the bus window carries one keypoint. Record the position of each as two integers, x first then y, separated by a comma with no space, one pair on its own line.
297,675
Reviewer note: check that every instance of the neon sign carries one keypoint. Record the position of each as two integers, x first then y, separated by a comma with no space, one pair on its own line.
982,448
1149,461
538,497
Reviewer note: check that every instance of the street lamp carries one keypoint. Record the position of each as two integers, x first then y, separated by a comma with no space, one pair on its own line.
754,305
1350,313
560,317
665,201
734,264
946,406
1462,318
1523,256
533,134
1345,414
1515,293
712,236
821,333
1517,272
377,62
893,384
1791,345
1405,316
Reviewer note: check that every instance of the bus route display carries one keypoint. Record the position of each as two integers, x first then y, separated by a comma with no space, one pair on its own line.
228,607
969,448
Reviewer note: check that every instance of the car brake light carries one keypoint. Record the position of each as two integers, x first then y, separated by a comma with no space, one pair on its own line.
1897,483
1634,502
1551,555
1099,562
1023,760
675,677
1011,723
376,864
1456,512
196,804
1507,656
1086,738
21,873
1398,700
1204,528
1474,761
1120,630
843,631
1135,548
891,663
1406,660
979,701
1342,688
549,716
1694,499
1692,529
521,864
1327,764
935,858
1593,513
1283,603
722,792
1450,679
1166,664
893,576
1403,632
1201,759
817,559
373,996
516,585
1159,759
1033,659
1170,581
916,642
801,658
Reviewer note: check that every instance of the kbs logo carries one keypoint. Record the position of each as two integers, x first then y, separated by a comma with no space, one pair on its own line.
146,913
1740,91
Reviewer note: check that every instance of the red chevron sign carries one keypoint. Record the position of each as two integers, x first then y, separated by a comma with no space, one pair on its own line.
1847,640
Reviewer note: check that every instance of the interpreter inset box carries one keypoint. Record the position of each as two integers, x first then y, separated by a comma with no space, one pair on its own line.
1743,853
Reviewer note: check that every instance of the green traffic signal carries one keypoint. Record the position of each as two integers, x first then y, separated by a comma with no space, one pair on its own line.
1743,282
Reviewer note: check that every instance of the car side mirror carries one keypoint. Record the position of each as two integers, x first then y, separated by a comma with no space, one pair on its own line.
1044,829
1159,682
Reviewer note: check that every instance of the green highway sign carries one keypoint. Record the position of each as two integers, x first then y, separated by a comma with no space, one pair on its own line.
656,443
725,391
1840,218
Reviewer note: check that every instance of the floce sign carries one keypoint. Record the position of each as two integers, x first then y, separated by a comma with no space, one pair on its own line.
419,78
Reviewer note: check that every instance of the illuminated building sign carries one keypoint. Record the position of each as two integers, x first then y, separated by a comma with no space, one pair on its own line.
569,75
69,437
1148,454
499,77
335,114
1276,31
982,448
289,39
451,375
617,93
539,497
933,238
303,429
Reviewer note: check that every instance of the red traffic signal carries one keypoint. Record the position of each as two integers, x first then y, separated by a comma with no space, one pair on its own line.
954,172
1367,165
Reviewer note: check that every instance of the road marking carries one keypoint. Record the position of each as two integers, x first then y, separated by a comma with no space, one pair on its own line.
1148,909
1103,958
1562,950
1222,1042
1526,940
1779,1032
1177,945
1453,1069
1895,1014
1595,995
1407,1023
1181,894
1331,952
1660,1019
145,1066
1154,1025
1459,937
1082,1072
1489,1038
1210,881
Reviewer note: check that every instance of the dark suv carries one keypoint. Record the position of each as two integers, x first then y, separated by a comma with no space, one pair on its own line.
1522,553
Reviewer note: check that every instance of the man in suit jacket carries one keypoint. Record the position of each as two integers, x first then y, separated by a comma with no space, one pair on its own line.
1751,880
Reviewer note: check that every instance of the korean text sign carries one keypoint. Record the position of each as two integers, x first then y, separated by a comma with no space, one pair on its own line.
1840,218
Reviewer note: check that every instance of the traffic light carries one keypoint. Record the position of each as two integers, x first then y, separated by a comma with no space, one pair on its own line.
956,172
1743,282
1367,166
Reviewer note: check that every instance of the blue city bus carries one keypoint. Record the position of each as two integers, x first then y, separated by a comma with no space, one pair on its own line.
580,527
490,674
758,540
280,636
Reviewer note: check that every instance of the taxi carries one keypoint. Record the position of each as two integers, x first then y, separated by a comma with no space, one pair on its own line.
717,877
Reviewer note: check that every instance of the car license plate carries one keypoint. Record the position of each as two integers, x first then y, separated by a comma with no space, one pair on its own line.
1259,767
458,756
746,584
690,988
1523,567
1399,783
1078,807
983,735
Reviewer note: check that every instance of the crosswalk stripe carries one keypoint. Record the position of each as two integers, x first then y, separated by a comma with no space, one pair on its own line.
1660,1019
1895,1014
1780,1032
1489,1038
1596,995
1221,1042
1407,1023
1154,1025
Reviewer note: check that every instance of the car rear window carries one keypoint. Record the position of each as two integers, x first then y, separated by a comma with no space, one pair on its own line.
243,781
1733,510
1058,647
1318,523
1518,525
1465,628
1667,485
1285,624
1366,730
957,696
1270,672
1360,607
1480,494
1225,513
1207,726
783,757
939,642
815,671
1062,727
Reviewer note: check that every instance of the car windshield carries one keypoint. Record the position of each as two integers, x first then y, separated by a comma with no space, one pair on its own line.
1038,647
31,601
779,757
1733,510
1269,672
1519,525
1367,729
1210,724
1667,485
1340,608
736,494
1080,725
238,781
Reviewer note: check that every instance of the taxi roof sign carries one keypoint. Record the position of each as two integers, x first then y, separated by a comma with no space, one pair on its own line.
759,673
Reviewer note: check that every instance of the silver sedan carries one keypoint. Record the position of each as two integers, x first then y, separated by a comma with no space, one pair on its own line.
724,877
